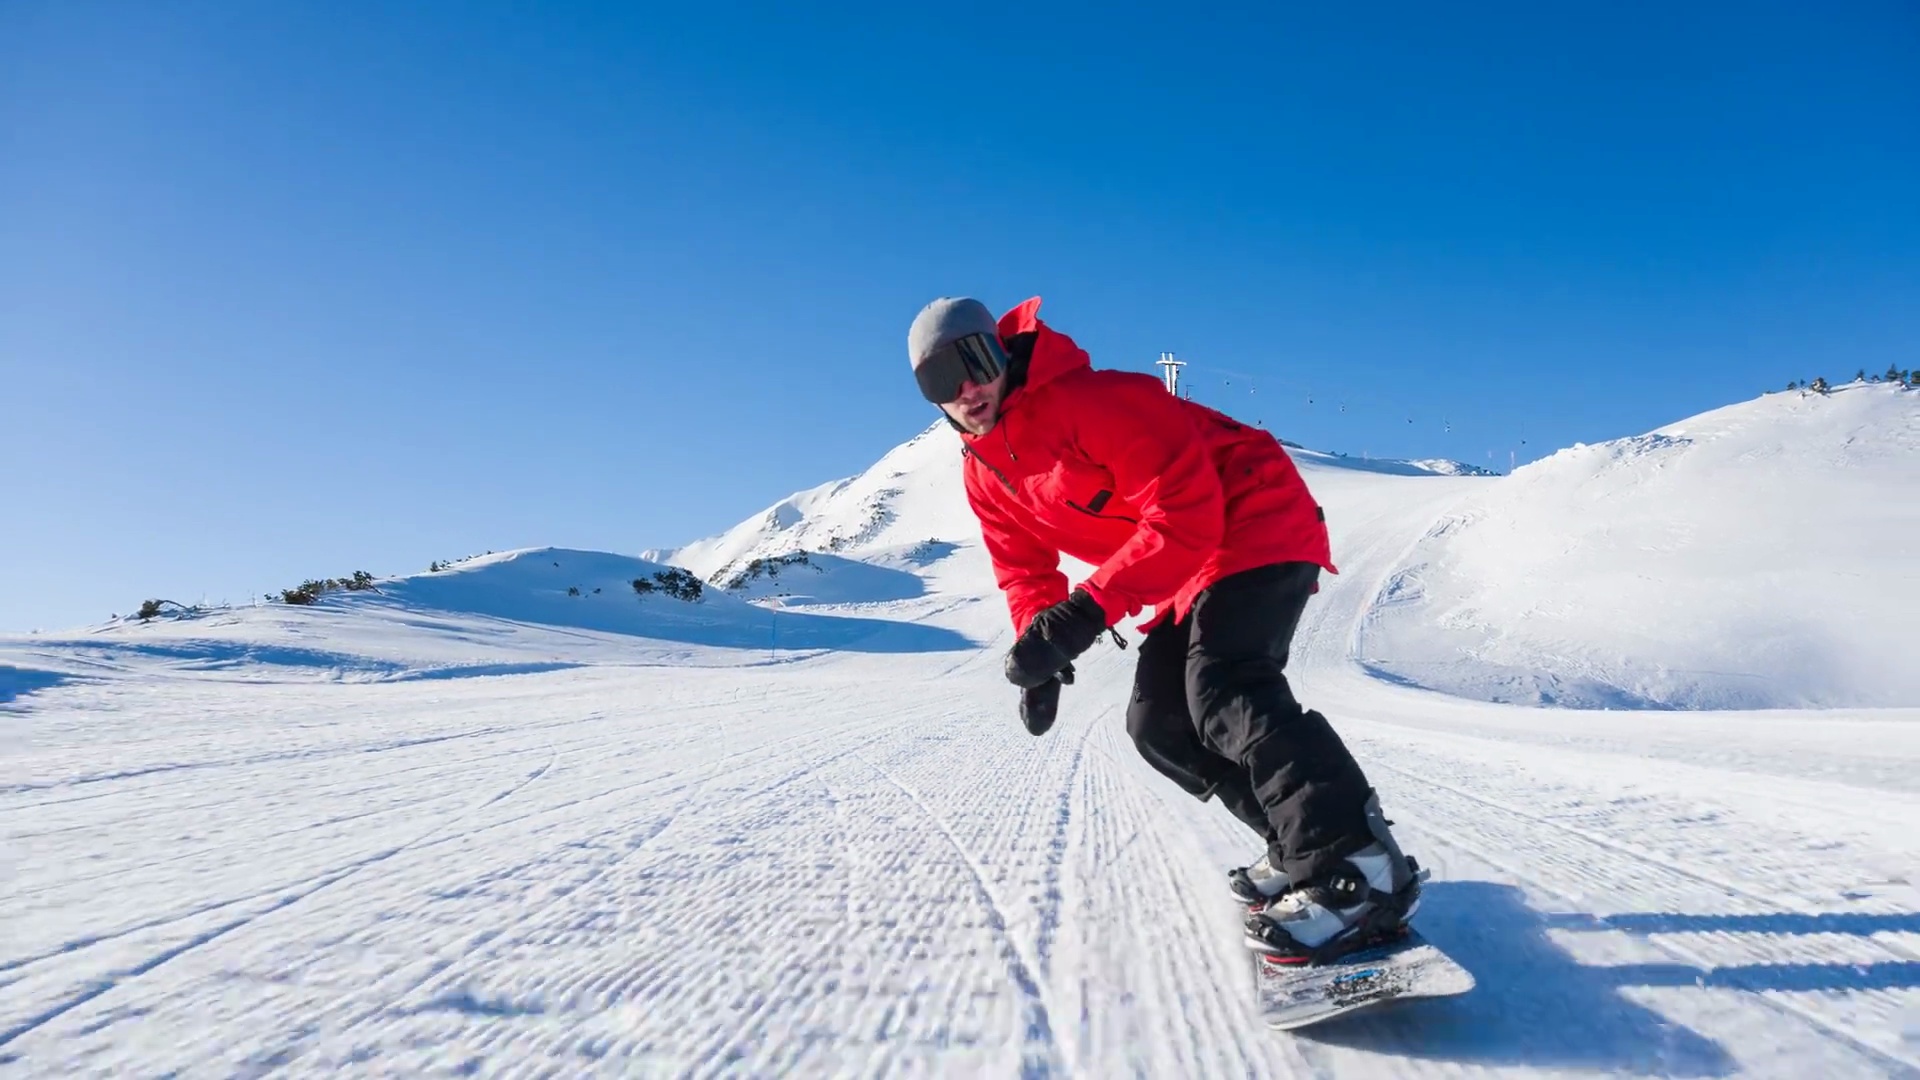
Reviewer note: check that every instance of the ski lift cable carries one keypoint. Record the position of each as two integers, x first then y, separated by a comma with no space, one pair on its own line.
1227,375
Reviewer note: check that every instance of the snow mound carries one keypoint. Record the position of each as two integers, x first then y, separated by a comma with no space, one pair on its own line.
597,590
593,589
1761,555
812,577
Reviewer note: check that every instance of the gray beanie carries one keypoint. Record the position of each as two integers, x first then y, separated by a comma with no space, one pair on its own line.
947,320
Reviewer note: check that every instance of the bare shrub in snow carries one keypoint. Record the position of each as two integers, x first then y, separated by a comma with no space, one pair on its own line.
678,584
673,582
768,567
311,590
168,609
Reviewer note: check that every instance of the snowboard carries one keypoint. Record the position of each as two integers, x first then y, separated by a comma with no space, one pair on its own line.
1294,996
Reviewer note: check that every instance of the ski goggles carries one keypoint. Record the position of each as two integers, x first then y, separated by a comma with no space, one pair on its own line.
977,358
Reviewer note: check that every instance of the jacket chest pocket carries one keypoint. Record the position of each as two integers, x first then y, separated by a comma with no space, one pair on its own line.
1077,494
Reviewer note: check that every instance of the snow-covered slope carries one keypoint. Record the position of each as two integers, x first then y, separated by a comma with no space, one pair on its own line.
1766,554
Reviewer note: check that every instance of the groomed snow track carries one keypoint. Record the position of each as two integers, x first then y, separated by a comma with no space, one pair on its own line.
859,864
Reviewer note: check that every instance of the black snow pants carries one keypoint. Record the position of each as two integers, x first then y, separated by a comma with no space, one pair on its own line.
1212,711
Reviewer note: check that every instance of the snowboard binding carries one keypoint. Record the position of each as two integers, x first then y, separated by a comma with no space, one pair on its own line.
1384,924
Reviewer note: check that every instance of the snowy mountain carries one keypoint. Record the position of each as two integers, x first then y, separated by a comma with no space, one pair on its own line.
516,817
911,499
1763,555
1388,466
1449,467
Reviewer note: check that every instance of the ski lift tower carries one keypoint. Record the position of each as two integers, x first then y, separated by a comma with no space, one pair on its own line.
1173,372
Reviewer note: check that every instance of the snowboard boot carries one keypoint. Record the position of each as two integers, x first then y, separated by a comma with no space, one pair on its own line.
1257,885
1362,902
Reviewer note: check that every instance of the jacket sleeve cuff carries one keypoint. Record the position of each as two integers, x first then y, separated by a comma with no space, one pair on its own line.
1115,606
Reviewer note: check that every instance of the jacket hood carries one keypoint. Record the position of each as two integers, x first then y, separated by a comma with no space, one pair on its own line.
1054,353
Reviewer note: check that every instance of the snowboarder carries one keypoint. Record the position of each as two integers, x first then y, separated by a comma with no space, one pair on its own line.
1207,520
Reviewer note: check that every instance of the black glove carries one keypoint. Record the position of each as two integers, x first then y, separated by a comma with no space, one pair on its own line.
1055,638
1040,705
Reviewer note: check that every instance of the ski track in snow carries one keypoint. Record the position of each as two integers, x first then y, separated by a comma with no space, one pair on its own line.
860,865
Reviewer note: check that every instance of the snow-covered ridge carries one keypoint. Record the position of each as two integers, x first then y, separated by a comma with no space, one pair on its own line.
1450,467
1761,555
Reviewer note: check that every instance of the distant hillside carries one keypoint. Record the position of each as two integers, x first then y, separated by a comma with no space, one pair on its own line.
1765,554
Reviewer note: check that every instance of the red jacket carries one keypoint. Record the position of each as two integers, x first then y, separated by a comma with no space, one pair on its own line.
1164,496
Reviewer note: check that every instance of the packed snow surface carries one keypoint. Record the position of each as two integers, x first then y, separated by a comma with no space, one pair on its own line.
490,821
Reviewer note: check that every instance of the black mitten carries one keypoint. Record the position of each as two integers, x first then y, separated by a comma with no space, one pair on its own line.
1040,705
1055,638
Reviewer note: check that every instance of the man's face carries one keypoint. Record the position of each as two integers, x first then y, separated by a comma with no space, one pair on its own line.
977,408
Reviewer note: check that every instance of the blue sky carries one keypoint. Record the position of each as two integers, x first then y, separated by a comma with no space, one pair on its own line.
294,289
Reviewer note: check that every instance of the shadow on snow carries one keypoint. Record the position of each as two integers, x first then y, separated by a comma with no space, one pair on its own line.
1535,1006
208,654
15,681
1857,923
733,625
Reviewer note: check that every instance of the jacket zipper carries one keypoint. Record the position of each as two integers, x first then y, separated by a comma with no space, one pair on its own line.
968,450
